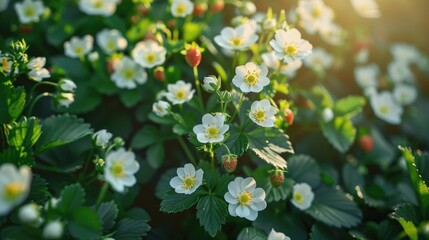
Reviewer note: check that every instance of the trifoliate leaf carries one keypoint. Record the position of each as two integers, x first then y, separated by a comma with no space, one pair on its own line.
60,130
349,106
85,224
340,132
268,144
332,207
72,197
251,233
212,212
237,143
304,169
175,202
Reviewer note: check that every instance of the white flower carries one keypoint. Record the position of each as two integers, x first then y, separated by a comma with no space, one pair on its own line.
405,53
302,196
6,65
244,199
65,99
251,77
3,4
53,230
212,129
367,76
78,47
14,186
29,11
102,138
332,34
208,82
262,113
120,168
248,8
67,85
98,7
366,8
36,63
160,108
271,61
362,56
149,54
239,38
369,91
30,214
187,179
128,74
94,56
386,108
39,74
181,8
277,235
327,115
405,94
179,92
313,15
319,60
400,72
289,46
269,24
52,203
111,40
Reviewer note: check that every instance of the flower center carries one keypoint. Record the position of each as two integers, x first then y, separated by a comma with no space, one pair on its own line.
189,182
213,132
260,116
251,79
180,94
150,58
245,198
98,3
13,190
298,198
128,74
384,110
236,41
111,45
316,12
5,64
29,12
181,8
78,50
291,50
117,169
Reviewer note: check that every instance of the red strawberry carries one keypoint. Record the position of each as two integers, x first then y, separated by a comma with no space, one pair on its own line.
171,23
199,9
159,74
289,116
193,57
111,64
277,178
26,29
366,143
217,6
229,162
144,10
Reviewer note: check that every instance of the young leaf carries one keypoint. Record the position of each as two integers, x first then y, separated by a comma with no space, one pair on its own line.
268,144
60,130
85,224
303,168
12,102
251,233
24,133
175,202
349,106
333,208
340,132
212,212
72,197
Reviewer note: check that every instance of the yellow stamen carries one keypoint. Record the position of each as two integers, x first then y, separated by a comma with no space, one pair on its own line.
150,58
117,169
236,41
260,116
213,132
245,198
384,109
189,182
29,12
181,8
291,50
180,94
298,198
13,190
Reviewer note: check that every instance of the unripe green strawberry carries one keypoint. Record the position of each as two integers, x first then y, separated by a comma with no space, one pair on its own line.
229,162
289,116
277,178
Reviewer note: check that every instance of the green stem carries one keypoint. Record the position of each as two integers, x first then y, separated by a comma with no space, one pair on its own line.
212,155
45,94
237,108
102,193
187,151
199,92
85,168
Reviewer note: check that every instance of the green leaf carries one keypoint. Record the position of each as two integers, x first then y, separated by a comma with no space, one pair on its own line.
192,31
273,194
303,168
422,166
410,229
39,190
144,137
131,97
155,155
251,233
352,178
18,156
72,197
237,143
137,31
107,212
60,130
332,207
268,144
131,229
406,211
318,232
24,133
12,102
340,132
180,129
86,99
84,224
320,97
349,106
212,212
163,186
383,151
174,202
73,67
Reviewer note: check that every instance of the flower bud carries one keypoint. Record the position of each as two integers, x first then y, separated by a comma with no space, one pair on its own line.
67,85
160,108
102,138
53,229
119,142
29,214
52,203
225,96
211,84
229,162
327,115
277,178
159,73
248,8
